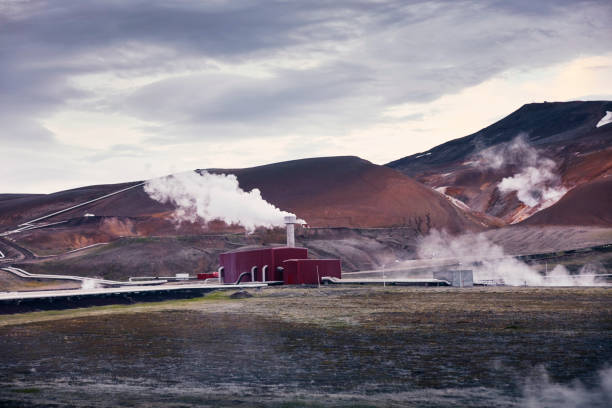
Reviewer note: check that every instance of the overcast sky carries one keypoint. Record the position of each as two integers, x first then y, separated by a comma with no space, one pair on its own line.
107,91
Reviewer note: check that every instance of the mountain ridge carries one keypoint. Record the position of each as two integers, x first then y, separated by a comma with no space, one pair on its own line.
558,142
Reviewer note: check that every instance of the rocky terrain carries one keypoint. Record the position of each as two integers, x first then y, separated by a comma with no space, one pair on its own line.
333,346
545,147
352,192
537,181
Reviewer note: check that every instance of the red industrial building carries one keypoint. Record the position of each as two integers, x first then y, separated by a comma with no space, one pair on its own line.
310,271
277,264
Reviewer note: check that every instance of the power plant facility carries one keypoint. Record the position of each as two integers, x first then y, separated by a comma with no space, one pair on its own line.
290,265
242,268
277,265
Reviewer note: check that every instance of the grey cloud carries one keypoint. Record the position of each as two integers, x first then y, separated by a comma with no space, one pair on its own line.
376,54
119,150
220,98
216,29
420,52
25,132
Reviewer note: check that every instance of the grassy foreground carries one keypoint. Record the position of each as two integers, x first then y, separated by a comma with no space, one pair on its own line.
389,308
330,346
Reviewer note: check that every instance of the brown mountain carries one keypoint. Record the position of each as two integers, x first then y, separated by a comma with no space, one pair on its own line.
588,204
348,191
356,205
328,192
561,138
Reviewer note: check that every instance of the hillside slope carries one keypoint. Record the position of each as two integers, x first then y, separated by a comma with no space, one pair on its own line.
348,191
555,146
588,204
348,202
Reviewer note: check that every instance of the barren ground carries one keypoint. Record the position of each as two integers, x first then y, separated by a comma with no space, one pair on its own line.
333,346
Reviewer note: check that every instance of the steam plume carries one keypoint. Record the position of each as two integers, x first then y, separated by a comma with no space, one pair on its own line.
209,197
540,391
536,183
489,262
89,284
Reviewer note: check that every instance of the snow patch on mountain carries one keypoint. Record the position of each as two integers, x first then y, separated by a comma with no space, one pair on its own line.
605,120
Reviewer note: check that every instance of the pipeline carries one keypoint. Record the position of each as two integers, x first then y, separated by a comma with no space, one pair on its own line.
242,275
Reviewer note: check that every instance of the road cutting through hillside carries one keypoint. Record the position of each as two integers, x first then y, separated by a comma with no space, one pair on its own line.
28,225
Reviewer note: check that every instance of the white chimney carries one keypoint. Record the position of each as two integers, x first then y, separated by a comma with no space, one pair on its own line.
290,221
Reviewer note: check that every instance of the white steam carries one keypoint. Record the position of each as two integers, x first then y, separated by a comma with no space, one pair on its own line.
89,284
209,197
535,185
536,182
489,262
539,392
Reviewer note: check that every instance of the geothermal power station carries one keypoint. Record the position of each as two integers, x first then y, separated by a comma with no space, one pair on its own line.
55,248
246,268
277,265
289,265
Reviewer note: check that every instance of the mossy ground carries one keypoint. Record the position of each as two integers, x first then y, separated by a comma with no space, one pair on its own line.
329,346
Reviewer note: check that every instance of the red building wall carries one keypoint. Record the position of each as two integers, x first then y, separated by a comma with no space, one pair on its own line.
235,263
208,275
310,271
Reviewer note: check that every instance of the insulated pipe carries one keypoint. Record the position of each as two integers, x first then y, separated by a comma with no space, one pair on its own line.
253,273
242,275
264,272
220,273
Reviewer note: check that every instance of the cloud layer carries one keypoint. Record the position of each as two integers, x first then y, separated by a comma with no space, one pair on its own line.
306,77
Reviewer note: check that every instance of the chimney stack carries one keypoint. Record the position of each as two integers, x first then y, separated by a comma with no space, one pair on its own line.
290,221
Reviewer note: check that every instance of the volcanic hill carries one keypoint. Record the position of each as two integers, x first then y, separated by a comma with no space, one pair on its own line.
347,191
127,233
587,204
363,213
568,143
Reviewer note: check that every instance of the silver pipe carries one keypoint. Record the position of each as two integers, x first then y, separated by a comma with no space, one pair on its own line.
264,272
220,273
290,222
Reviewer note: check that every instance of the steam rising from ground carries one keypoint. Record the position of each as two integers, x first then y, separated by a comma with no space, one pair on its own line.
209,197
489,262
536,182
540,391
89,284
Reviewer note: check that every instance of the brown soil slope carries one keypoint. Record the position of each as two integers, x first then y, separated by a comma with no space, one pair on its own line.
587,204
564,132
348,191
333,191
327,192
131,203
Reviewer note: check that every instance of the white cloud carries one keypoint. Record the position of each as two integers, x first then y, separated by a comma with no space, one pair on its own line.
179,87
465,112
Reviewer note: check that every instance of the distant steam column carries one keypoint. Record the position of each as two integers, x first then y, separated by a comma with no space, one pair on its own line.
290,222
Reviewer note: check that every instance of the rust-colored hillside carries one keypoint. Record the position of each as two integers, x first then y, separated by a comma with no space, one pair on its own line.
564,138
586,205
327,192
16,209
348,191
